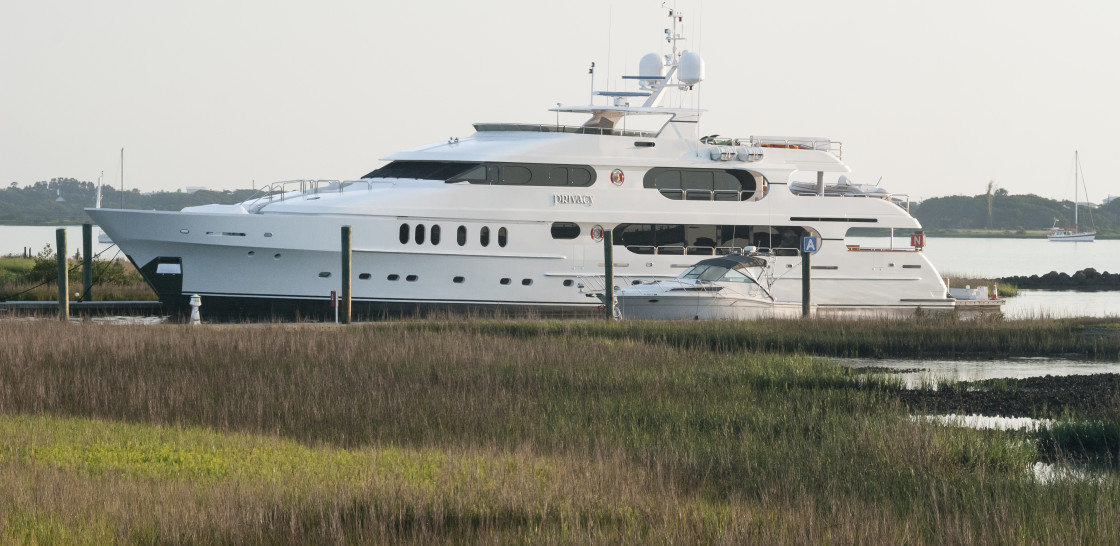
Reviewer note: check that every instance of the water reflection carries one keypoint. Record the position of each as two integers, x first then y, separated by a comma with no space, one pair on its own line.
987,422
1062,303
918,373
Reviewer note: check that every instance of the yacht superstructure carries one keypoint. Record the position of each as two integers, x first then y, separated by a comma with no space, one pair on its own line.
513,216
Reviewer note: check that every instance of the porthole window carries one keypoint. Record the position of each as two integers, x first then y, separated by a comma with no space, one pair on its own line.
393,276
419,234
526,282
505,281
411,278
404,233
461,235
484,236
568,282
435,235
252,253
502,237
275,256
565,230
458,280
364,276
324,274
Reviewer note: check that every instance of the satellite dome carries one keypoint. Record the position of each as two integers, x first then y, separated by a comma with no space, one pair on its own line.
651,69
691,68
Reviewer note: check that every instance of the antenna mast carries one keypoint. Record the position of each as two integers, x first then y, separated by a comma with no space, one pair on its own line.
591,71
97,203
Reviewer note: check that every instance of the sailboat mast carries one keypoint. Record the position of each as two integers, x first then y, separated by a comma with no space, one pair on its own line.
1076,164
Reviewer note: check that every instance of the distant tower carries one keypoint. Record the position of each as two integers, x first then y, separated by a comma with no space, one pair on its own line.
60,199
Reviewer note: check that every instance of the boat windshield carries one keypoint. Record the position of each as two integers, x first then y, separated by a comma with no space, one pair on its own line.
714,273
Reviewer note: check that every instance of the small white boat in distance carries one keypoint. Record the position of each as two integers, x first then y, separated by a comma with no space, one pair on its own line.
1073,234
731,287
1070,234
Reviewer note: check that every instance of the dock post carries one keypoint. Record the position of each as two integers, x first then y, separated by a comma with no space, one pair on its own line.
608,272
806,282
87,262
347,262
63,279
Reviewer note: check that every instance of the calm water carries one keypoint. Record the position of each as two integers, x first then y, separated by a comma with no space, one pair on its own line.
931,372
985,258
13,239
993,258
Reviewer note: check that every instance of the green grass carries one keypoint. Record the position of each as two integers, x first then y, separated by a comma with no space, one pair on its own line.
14,269
496,432
18,282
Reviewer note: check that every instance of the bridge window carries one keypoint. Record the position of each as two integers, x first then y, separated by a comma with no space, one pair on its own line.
705,184
705,239
517,174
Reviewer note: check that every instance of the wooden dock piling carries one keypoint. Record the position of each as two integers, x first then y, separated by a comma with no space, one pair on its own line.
347,266
87,262
608,273
63,275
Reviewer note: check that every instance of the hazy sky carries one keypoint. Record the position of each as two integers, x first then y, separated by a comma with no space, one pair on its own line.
937,98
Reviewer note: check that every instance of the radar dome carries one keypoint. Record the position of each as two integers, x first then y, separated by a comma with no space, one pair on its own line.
651,69
691,68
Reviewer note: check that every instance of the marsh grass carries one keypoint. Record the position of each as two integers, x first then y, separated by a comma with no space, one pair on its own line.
921,337
114,280
24,291
498,432
1083,440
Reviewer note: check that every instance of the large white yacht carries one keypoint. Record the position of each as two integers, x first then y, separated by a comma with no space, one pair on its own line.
513,215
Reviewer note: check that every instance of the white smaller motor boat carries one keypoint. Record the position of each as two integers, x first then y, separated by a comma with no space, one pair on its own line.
731,287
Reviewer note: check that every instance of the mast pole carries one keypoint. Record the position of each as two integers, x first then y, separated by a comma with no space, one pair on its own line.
1076,164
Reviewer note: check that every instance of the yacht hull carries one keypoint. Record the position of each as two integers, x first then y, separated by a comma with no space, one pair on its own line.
1074,237
249,265
662,307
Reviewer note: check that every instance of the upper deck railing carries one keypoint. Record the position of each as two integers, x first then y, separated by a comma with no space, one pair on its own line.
292,189
836,148
544,128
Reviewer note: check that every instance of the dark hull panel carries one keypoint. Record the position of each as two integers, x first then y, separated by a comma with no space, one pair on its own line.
240,308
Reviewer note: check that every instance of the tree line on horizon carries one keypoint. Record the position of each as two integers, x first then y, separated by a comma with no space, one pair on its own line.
39,204
999,210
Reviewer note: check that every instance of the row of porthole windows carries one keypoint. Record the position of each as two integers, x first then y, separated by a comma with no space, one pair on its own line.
457,280
418,235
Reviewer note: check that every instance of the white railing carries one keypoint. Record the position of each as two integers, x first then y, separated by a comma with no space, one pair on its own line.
294,189
796,143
